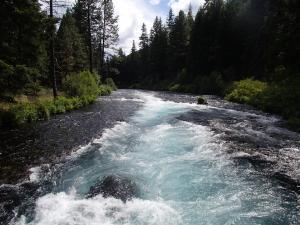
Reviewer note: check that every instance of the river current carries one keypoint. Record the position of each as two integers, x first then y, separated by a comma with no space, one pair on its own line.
193,165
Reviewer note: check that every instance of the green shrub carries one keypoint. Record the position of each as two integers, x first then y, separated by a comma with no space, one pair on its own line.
6,77
32,88
24,77
110,82
43,111
76,103
247,91
14,80
105,90
81,84
60,105
22,113
82,88
174,87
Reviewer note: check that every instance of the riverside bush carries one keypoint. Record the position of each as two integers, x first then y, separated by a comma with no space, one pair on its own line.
280,98
82,89
110,82
81,84
105,89
247,91
43,110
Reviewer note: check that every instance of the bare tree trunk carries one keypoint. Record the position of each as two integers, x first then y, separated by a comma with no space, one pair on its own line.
90,37
52,61
103,37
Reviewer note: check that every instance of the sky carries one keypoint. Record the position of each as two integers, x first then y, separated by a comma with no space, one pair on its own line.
133,13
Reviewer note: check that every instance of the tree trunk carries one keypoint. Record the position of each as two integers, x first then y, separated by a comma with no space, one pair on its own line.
90,37
52,61
103,36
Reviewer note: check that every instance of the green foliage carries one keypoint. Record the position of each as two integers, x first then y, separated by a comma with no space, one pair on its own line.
6,75
247,91
42,110
110,82
32,89
81,84
22,30
280,98
105,89
14,80
21,113
72,55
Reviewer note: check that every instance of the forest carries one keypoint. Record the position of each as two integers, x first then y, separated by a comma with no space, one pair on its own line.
245,50
51,63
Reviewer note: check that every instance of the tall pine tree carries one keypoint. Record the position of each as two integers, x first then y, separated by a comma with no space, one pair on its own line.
71,52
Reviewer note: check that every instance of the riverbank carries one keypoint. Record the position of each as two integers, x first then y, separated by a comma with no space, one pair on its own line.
79,91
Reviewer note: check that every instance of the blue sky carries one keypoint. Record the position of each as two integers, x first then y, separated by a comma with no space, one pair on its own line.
132,14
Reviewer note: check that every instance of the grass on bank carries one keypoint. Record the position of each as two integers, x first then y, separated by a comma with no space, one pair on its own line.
78,90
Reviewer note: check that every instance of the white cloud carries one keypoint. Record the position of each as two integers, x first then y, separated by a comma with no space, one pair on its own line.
132,14
154,2
178,5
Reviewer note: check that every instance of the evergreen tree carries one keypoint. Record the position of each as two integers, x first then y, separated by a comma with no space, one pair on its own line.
85,14
158,50
190,21
71,51
133,50
22,28
144,52
170,20
108,27
178,43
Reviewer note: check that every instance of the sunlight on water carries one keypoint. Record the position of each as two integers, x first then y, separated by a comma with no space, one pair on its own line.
181,170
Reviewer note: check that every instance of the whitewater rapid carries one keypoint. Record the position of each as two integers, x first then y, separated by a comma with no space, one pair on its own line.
182,170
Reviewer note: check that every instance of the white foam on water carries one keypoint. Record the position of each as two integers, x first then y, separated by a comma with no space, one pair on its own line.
68,209
129,99
35,174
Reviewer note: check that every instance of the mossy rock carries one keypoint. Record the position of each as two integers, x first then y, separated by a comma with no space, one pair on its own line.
201,101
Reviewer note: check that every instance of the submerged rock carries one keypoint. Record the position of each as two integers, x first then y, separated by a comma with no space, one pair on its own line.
201,101
115,186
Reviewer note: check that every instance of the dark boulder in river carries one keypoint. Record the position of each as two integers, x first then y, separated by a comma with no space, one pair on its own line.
115,186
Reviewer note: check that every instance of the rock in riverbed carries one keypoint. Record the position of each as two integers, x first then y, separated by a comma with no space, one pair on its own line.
115,186
201,101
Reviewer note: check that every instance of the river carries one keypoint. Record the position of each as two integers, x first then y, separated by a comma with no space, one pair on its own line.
215,164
